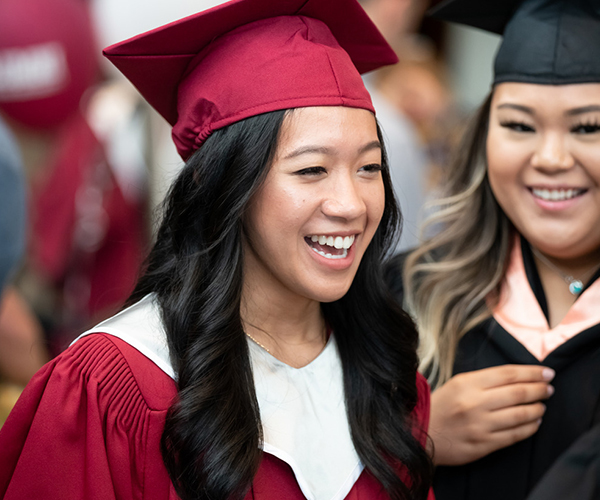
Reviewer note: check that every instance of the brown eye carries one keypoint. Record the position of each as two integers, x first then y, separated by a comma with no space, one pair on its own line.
311,171
517,126
374,167
586,128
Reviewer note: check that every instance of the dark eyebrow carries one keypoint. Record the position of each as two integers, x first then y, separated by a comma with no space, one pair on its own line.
571,112
583,109
328,151
307,150
518,107
368,147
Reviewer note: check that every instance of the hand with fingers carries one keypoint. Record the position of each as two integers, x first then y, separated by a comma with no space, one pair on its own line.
476,413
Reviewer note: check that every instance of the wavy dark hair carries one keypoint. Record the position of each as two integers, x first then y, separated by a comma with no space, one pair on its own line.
452,280
212,436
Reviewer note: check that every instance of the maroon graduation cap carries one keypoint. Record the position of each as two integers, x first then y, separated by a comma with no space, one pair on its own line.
248,57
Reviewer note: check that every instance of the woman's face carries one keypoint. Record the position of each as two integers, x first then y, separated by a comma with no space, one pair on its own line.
543,153
312,220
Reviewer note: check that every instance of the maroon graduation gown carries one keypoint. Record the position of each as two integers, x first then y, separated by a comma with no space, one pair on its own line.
89,425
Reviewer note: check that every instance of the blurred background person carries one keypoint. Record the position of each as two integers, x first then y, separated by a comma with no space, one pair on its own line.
86,217
97,159
415,106
21,352
12,205
407,155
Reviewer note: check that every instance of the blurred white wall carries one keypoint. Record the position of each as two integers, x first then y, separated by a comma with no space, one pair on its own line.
471,54
121,19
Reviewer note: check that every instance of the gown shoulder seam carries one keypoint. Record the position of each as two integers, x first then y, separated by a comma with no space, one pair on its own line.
107,369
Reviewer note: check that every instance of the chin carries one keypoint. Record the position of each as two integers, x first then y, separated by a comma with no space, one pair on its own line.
330,295
329,300
560,248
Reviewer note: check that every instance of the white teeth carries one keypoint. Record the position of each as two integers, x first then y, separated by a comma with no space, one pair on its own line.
333,257
557,194
337,242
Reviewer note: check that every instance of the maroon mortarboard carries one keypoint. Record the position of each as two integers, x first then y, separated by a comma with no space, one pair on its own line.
248,57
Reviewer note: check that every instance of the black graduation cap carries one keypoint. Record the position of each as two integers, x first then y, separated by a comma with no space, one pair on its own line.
550,42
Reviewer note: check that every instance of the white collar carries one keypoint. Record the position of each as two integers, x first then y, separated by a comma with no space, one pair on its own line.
141,327
303,413
294,403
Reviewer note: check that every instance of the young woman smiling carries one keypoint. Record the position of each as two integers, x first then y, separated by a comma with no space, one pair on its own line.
260,356
325,182
505,293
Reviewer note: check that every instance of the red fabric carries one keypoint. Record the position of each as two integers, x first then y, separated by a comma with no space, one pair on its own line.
63,252
89,425
248,57
48,58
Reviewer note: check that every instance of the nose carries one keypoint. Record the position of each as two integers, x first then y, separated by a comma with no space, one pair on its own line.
344,200
552,153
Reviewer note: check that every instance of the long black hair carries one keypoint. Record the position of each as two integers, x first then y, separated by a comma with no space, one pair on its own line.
212,435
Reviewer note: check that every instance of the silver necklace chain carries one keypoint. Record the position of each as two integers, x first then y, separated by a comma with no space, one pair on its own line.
575,285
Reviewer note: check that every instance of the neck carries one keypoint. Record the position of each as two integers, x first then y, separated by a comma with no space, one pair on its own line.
552,272
291,328
582,267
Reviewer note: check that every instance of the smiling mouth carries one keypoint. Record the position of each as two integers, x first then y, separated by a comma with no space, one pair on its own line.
557,194
330,247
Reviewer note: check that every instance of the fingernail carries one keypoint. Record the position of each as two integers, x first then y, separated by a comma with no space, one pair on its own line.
539,421
550,390
548,374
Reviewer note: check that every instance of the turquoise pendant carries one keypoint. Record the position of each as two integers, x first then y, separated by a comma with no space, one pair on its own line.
575,287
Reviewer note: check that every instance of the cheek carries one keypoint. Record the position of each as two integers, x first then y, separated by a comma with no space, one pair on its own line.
589,158
378,209
292,201
276,216
375,203
502,170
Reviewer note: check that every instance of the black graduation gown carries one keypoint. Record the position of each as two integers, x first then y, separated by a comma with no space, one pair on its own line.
511,473
576,473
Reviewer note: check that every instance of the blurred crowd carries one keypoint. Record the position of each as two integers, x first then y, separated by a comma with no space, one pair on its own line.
76,141
84,161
